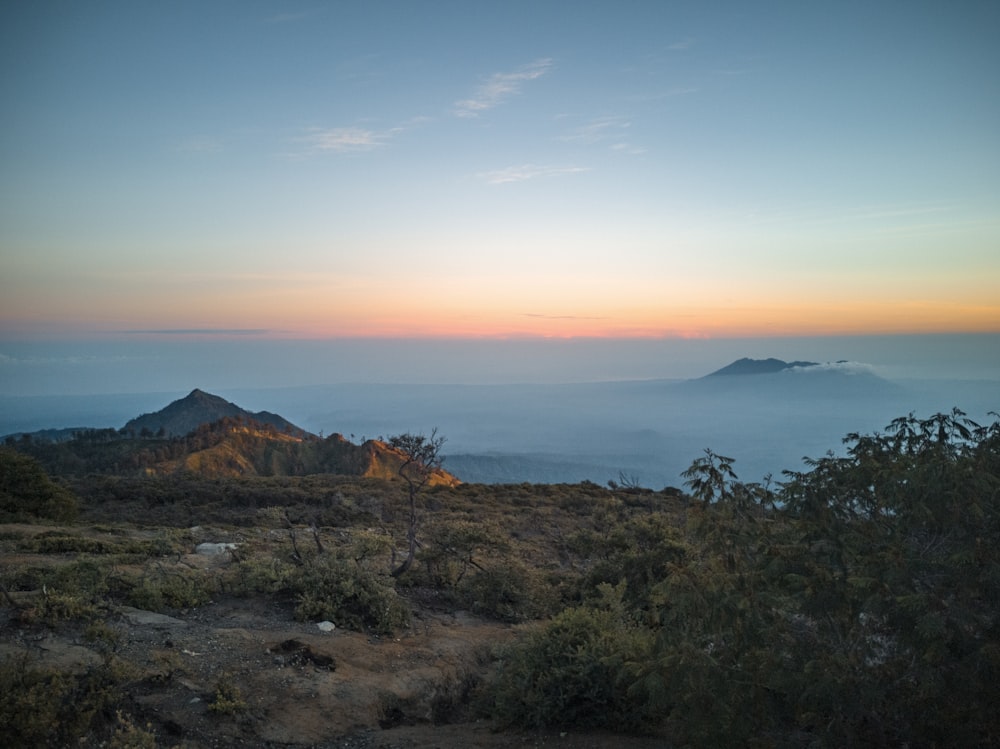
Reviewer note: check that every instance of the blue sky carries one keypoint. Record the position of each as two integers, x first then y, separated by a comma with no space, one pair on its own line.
512,169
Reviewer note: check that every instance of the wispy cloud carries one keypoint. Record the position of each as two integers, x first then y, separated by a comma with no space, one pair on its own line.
597,130
681,44
843,366
348,139
499,87
356,139
610,130
527,171
628,148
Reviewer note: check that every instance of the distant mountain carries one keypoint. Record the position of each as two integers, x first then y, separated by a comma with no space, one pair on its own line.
48,435
756,380
207,435
187,414
759,366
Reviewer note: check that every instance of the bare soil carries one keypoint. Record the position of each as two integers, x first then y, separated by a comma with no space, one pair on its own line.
295,685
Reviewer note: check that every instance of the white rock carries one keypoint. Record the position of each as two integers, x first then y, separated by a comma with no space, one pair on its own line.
213,549
150,618
326,626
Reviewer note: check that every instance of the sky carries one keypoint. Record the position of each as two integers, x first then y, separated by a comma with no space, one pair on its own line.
658,170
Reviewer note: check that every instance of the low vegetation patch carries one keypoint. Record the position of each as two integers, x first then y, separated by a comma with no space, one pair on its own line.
46,707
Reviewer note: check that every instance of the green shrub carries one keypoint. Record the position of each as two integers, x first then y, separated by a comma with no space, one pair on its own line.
44,707
228,698
642,551
56,606
456,548
509,592
572,672
59,543
348,594
27,492
164,590
128,735
262,573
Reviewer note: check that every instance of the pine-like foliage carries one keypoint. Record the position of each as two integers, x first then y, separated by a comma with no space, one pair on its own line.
857,604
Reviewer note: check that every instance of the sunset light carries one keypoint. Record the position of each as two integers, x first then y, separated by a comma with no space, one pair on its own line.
494,373
639,170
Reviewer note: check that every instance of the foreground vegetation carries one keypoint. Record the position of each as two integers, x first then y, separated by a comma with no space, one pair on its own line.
854,602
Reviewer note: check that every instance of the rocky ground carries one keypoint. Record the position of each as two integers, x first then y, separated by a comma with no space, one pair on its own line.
286,683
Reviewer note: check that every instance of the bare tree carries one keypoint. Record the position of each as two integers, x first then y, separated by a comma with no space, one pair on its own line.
422,457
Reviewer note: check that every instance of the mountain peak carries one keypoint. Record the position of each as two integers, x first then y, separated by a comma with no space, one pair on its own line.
197,408
746,366
200,396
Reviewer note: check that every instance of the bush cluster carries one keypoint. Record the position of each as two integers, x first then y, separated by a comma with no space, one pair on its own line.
27,493
576,672
45,707
349,594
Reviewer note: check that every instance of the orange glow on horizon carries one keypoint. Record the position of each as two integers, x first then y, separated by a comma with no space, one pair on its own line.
668,324
688,320
465,311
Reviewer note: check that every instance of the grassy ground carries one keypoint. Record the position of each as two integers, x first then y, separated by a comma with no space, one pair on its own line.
120,630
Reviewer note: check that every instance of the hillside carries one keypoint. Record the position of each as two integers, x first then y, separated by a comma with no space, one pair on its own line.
853,604
226,441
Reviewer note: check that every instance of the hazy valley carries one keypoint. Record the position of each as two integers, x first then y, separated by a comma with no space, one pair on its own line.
648,431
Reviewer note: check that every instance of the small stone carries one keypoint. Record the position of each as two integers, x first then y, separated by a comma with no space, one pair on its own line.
326,626
214,549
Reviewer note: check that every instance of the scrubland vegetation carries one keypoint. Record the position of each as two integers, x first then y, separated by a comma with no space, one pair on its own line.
851,603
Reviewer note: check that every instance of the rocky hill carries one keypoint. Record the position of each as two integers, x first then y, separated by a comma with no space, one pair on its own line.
225,441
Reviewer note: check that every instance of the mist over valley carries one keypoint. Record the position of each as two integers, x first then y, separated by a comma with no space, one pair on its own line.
642,431
766,413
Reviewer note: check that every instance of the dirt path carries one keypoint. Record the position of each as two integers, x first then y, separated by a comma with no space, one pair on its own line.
301,686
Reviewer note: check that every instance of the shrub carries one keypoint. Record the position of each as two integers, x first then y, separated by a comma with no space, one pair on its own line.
164,590
44,707
128,735
457,547
228,698
348,594
58,607
572,672
259,574
510,592
26,491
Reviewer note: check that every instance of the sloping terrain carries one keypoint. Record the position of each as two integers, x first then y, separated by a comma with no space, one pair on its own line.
230,447
852,605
